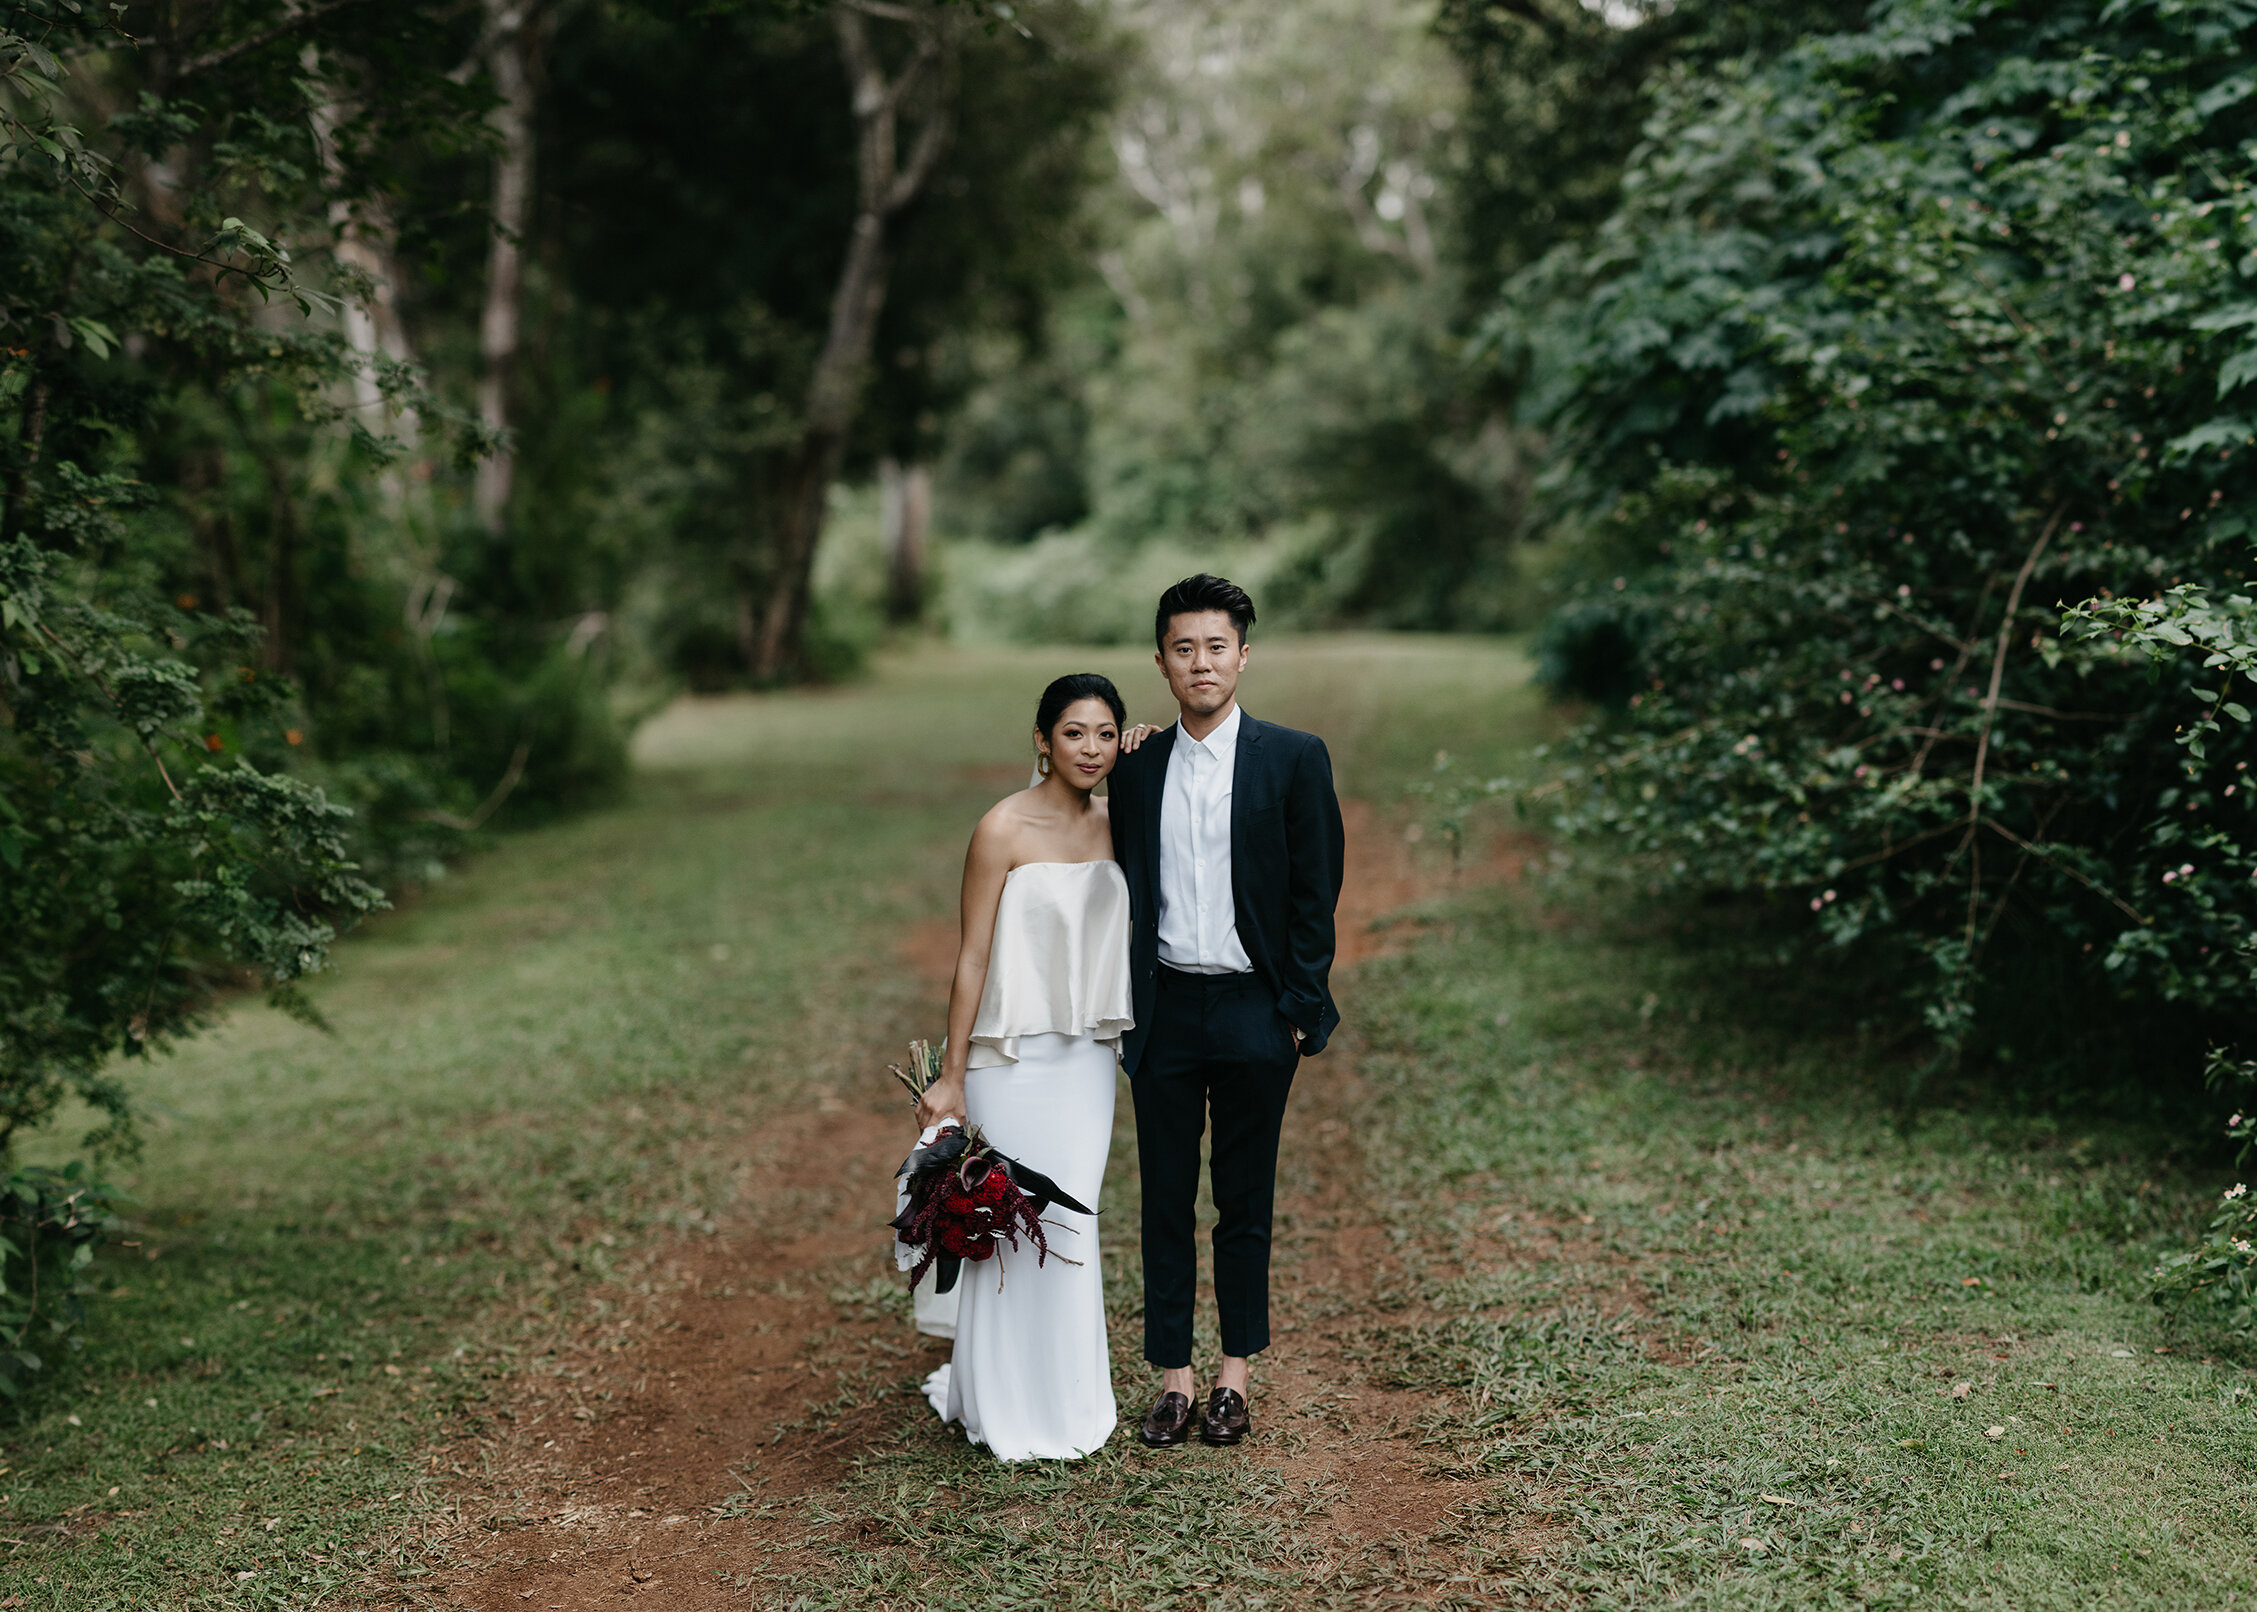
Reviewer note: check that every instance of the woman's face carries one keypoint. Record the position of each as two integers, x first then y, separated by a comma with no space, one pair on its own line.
1084,744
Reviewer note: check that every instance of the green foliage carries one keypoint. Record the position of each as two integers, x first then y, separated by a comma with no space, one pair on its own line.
2177,619
51,1224
2220,1271
179,604
1558,94
676,397
1273,365
1895,341
149,862
2217,1277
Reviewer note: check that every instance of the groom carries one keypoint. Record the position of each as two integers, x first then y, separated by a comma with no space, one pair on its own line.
1229,833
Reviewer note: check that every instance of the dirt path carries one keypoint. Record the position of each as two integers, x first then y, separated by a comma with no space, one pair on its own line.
756,1368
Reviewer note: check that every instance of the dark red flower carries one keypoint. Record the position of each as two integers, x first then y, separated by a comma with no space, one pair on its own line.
964,1197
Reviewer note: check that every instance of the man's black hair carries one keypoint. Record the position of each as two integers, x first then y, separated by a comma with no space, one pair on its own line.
1202,592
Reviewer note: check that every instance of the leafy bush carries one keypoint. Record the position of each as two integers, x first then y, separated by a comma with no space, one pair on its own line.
2221,1270
51,1222
149,863
1892,345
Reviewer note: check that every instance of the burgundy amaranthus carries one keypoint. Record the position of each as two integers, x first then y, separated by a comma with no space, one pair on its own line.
965,1197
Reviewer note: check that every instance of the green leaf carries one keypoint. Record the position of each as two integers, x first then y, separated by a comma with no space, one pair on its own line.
2233,318
2237,371
98,337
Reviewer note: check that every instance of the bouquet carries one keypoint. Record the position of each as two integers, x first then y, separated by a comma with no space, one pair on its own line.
961,1196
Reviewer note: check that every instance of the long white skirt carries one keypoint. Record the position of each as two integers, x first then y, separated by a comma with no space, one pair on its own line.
1031,1377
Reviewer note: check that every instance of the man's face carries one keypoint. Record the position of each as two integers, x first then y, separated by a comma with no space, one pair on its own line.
1201,658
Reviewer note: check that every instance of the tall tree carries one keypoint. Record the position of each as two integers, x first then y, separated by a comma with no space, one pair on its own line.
515,31
919,93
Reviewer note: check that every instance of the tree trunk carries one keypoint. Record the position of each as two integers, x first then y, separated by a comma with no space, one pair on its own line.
905,510
513,48
372,325
279,612
805,471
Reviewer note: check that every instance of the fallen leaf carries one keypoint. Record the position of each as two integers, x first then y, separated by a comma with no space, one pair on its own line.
1994,1432
1962,1390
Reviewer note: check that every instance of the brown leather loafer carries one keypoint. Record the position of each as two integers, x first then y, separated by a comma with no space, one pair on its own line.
1226,1421
1167,1423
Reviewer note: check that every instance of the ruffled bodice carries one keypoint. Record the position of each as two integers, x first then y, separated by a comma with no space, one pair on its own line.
1059,961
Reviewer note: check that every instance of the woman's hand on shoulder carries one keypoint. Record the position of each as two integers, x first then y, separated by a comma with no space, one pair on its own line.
1135,734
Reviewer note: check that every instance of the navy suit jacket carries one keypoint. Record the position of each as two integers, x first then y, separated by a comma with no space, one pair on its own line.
1286,850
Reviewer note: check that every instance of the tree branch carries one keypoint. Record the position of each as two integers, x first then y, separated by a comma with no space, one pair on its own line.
297,19
2059,716
2093,885
492,804
932,138
1990,710
1529,11
95,678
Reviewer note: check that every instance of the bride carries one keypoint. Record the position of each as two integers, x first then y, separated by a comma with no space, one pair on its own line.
1035,1016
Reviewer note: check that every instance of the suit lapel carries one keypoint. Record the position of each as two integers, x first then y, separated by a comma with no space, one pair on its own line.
1242,768
1155,785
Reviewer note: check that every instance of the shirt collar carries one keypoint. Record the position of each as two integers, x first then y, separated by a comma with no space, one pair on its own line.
1221,738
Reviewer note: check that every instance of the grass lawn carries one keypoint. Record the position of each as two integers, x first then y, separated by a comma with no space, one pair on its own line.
1668,1307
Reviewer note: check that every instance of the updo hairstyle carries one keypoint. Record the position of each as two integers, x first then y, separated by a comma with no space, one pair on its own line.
1072,687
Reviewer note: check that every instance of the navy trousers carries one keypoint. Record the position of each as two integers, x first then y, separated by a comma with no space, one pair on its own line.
1219,1046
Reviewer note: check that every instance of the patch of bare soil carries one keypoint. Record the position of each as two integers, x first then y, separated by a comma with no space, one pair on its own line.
736,1380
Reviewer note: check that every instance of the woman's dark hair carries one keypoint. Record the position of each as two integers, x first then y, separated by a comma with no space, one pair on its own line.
1202,592
1077,686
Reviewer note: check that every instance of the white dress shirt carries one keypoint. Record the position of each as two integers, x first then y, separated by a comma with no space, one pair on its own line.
1198,911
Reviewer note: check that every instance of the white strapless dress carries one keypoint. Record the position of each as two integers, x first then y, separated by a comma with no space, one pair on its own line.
1031,1376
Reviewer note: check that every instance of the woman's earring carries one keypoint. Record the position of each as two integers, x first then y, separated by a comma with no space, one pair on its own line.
1042,765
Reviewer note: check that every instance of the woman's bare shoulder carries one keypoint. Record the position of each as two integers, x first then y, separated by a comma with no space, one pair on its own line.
999,829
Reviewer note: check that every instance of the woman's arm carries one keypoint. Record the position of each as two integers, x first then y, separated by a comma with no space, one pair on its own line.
985,866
